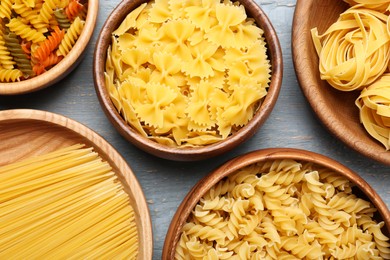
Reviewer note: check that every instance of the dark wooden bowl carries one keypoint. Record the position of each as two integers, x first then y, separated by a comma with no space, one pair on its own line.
26,132
63,68
262,156
187,154
335,109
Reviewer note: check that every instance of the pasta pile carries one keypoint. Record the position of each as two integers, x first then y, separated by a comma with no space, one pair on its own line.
354,53
282,209
35,35
62,205
187,73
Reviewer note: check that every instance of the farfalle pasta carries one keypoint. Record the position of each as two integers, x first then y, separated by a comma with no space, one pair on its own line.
354,54
189,73
282,209
35,35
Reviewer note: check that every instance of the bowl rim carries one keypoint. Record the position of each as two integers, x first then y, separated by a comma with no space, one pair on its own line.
302,61
193,153
260,156
64,67
96,141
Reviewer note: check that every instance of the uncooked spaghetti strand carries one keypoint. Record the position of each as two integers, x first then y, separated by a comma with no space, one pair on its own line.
84,222
97,235
72,150
84,169
43,168
68,212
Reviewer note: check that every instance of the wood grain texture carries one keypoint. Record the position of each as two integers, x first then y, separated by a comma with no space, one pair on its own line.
64,67
25,133
193,153
261,156
336,109
165,183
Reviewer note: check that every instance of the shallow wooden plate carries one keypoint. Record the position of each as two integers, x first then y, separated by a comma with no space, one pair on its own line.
63,68
25,133
335,109
261,156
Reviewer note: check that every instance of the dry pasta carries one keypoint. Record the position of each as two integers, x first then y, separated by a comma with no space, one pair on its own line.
65,204
42,30
354,54
282,209
374,106
187,74
355,50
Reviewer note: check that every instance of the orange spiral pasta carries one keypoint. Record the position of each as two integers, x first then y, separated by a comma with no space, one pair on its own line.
49,45
73,9
39,34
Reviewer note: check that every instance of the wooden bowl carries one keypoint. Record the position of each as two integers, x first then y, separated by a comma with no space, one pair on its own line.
64,67
335,109
198,153
262,156
26,133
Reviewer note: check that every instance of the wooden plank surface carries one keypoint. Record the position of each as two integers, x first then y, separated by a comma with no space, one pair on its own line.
291,124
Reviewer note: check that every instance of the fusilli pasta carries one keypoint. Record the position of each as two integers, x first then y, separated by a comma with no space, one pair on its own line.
292,217
39,28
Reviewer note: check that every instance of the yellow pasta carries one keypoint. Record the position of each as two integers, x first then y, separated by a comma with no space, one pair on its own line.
187,74
355,50
354,54
374,106
282,209
65,204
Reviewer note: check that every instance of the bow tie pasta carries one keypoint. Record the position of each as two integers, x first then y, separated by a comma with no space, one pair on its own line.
187,73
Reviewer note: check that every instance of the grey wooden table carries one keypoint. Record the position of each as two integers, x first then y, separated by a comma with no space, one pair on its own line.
291,124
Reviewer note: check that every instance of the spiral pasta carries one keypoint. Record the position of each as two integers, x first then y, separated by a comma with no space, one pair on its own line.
5,9
21,59
70,37
40,27
282,209
177,77
10,75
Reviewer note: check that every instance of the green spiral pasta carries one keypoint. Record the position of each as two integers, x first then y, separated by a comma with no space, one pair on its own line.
6,60
20,58
62,19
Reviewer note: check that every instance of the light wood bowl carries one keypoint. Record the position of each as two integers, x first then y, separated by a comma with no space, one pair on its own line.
198,153
335,109
261,156
64,67
25,133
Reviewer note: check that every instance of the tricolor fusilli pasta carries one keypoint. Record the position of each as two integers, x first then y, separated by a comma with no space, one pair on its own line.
39,35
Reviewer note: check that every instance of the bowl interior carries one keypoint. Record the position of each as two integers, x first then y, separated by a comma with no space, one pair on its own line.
198,153
63,68
335,109
25,133
261,156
